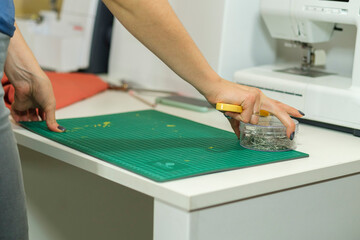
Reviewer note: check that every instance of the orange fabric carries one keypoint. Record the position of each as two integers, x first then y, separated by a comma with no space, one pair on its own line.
68,87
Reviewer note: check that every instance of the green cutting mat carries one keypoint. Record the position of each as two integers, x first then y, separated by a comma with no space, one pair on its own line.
158,146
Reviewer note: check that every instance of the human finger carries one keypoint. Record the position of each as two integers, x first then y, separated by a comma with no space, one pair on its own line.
282,112
247,114
19,116
19,111
288,123
254,119
286,120
33,116
24,118
290,110
251,105
15,116
235,126
51,121
42,114
256,111
236,116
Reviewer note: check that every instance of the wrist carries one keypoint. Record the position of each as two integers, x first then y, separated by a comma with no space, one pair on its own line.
206,83
19,74
210,88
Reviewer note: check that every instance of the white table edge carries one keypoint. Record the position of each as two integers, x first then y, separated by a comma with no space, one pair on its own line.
156,190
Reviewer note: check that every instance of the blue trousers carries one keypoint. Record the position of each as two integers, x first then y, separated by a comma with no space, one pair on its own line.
13,219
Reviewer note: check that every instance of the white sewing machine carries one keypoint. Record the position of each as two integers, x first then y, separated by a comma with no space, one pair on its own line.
326,98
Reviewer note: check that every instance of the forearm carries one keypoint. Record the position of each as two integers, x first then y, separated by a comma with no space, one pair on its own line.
155,24
20,62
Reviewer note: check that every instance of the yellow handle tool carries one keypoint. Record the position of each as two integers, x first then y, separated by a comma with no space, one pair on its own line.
224,107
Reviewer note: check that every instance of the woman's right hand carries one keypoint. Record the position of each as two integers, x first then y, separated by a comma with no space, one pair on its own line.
252,101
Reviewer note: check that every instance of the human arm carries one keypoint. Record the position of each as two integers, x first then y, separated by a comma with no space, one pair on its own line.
33,88
155,24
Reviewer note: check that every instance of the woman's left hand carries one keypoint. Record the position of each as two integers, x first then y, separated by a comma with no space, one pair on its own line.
34,97
34,101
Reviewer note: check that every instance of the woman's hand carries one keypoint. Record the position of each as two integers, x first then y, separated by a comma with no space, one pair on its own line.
34,101
34,97
252,101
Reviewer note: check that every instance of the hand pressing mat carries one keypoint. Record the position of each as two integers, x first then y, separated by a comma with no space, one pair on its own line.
158,146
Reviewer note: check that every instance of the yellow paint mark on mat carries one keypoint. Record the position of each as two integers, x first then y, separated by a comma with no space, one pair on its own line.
104,124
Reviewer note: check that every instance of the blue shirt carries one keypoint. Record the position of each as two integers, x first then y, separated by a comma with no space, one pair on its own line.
7,17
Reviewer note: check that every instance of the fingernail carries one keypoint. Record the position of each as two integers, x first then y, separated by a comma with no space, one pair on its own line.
301,113
61,128
292,136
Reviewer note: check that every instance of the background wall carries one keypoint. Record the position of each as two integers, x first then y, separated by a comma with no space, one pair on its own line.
230,34
131,61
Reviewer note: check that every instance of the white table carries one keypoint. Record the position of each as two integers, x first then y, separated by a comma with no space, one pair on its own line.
311,198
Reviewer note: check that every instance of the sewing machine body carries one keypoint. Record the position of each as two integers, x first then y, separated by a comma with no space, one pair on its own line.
325,97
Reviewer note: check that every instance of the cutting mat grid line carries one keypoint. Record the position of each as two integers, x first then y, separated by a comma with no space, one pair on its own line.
158,146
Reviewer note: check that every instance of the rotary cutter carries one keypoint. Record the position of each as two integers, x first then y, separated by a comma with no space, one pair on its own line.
269,134
224,107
